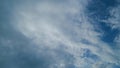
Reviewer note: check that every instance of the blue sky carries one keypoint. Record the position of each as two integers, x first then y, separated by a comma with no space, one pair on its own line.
60,34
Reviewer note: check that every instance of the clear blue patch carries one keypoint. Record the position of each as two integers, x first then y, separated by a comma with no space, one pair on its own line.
109,33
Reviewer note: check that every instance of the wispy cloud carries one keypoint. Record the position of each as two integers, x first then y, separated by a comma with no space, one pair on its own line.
63,26
114,19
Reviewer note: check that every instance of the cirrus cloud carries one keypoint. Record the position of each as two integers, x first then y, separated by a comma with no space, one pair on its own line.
63,27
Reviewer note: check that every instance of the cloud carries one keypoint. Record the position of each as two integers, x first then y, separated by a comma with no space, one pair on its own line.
62,27
117,39
113,22
114,19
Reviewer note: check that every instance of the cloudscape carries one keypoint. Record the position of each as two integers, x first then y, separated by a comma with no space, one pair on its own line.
59,33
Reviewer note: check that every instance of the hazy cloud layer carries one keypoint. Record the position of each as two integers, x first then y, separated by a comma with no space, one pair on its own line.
60,34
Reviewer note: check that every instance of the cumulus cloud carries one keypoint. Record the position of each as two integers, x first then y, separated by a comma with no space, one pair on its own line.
63,27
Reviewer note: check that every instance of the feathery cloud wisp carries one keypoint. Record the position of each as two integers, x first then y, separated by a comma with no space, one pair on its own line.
57,25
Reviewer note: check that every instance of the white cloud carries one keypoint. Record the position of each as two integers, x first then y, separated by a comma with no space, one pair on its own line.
117,39
53,25
114,21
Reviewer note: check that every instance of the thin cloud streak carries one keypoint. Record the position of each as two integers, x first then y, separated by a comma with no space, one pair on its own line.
65,25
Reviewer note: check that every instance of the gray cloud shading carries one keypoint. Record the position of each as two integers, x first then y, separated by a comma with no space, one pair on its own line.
53,34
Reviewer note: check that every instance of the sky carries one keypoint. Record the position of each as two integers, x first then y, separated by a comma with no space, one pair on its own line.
59,33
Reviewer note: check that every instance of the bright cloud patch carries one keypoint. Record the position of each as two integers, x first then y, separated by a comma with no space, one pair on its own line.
63,31
114,20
